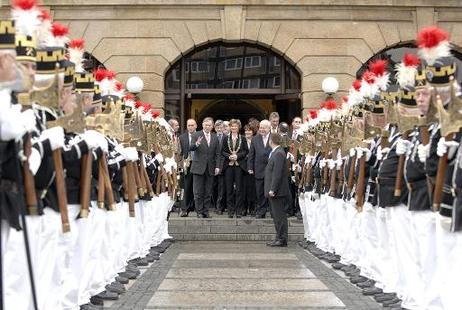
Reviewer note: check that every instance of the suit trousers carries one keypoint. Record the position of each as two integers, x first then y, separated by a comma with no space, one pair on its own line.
188,198
219,192
202,189
279,212
262,201
234,197
249,193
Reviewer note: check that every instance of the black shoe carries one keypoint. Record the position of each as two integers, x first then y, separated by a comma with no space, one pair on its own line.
386,296
121,280
372,291
150,258
259,216
201,216
338,266
115,288
128,274
358,279
277,243
95,300
348,268
353,272
333,259
207,216
238,216
368,283
387,303
183,214
219,212
106,295
91,307
230,216
158,249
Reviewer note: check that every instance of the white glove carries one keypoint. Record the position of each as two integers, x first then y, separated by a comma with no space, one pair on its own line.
55,135
102,142
12,126
444,147
159,158
331,164
360,151
34,161
290,156
322,163
403,147
28,120
308,159
352,152
292,178
339,163
422,152
131,153
91,138
379,153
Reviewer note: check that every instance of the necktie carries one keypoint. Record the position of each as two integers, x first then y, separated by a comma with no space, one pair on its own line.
207,137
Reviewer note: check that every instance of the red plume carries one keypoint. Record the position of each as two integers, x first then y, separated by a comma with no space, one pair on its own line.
44,14
155,114
146,107
369,77
100,74
24,4
138,104
77,44
378,67
59,30
411,60
129,97
345,98
110,74
330,104
357,85
431,37
313,114
119,86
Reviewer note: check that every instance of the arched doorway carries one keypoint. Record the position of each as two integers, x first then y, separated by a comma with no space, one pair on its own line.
226,81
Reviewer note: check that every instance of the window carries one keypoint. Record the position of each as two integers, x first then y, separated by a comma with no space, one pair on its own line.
176,75
199,66
276,61
251,83
233,64
276,81
253,62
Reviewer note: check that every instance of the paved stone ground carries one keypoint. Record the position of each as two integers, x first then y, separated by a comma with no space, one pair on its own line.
238,275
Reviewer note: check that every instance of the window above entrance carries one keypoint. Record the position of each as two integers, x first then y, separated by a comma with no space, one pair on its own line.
222,66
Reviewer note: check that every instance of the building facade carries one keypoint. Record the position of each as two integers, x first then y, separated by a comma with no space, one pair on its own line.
317,38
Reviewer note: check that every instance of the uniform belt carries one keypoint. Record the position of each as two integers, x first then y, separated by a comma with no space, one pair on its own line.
386,181
8,186
412,186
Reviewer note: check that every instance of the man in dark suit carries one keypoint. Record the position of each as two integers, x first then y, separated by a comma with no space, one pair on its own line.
219,188
186,155
277,189
203,168
256,164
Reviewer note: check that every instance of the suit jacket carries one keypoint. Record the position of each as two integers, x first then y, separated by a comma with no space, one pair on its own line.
220,159
184,142
205,156
258,156
276,174
241,155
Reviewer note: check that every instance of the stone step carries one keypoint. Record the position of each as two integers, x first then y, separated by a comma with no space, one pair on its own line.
222,228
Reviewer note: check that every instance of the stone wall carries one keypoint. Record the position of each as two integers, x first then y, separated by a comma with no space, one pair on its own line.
320,39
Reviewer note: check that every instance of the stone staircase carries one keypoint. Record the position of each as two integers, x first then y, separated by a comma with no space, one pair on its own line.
222,228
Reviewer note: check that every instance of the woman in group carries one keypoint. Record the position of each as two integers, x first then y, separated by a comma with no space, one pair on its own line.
234,153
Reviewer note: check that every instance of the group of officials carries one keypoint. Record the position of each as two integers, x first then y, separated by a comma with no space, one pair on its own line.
224,169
